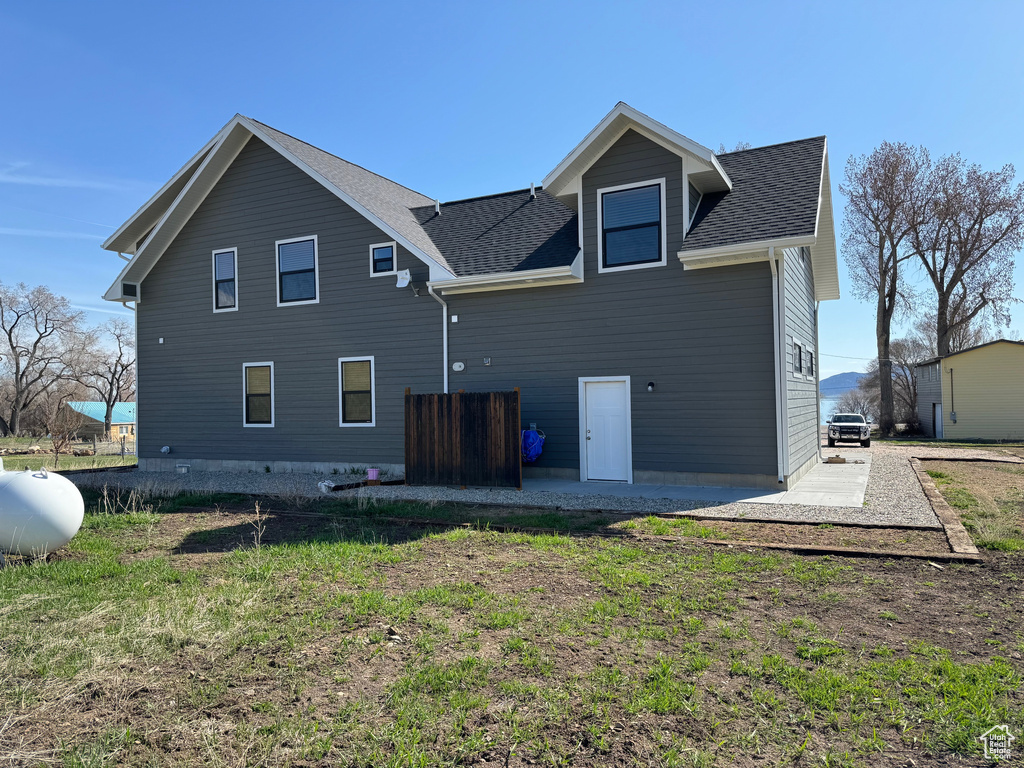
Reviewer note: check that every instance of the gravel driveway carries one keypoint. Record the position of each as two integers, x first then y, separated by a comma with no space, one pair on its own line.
894,495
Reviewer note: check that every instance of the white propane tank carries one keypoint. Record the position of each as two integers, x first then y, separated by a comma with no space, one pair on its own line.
39,512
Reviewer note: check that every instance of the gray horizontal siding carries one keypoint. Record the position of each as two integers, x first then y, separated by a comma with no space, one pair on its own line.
801,393
190,387
703,337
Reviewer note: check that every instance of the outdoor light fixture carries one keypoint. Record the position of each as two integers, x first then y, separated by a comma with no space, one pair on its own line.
405,281
650,386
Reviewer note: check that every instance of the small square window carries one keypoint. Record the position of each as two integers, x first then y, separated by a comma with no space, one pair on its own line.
356,392
383,259
298,276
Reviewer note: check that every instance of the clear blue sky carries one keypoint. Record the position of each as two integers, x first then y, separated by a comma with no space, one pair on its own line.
103,101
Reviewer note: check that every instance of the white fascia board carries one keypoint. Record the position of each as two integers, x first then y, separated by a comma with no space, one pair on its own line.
650,125
111,243
824,253
219,158
349,200
504,281
756,247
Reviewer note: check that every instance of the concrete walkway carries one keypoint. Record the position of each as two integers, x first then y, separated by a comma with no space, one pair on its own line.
826,485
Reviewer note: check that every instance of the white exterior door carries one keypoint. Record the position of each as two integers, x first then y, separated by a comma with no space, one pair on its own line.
605,424
937,418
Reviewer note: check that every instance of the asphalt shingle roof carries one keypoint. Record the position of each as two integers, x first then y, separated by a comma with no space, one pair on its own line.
509,232
774,195
388,200
124,413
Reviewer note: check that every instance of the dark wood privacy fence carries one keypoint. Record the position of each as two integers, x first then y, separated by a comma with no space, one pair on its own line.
466,438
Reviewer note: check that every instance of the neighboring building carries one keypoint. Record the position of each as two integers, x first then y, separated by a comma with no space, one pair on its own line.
975,393
122,423
656,304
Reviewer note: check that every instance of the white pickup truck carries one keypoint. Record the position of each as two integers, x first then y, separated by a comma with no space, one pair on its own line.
849,428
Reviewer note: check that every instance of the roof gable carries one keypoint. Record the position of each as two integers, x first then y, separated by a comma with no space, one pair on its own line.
622,118
382,201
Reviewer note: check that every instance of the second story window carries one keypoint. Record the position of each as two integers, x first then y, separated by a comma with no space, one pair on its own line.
382,259
225,293
297,275
631,224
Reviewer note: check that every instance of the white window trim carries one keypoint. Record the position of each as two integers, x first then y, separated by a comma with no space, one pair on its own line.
273,417
600,227
582,402
373,391
394,259
316,270
213,260
803,374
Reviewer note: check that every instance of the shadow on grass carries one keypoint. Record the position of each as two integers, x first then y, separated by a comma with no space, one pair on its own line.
300,520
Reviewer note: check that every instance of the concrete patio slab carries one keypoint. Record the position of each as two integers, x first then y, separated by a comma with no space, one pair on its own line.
826,485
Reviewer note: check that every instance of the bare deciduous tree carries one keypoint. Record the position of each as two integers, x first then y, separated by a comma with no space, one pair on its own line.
967,244
886,195
857,400
740,147
111,369
62,421
963,334
42,343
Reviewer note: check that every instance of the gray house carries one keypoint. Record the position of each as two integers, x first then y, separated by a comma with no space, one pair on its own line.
656,304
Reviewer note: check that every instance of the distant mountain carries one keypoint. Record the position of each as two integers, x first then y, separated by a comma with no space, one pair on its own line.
834,386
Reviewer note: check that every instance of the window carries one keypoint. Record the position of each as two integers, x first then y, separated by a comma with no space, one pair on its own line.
383,260
810,364
225,294
258,385
122,430
356,392
694,200
630,221
798,358
297,277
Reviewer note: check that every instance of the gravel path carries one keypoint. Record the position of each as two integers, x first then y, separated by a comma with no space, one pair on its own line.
894,495
894,492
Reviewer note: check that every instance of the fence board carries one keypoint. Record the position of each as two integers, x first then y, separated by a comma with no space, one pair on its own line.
465,438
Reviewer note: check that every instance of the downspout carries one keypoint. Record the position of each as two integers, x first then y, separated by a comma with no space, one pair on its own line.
444,333
778,372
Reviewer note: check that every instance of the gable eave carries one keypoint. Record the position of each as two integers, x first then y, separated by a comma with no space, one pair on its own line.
126,237
218,156
611,127
824,254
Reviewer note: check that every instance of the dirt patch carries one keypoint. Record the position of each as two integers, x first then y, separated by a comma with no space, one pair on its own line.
364,641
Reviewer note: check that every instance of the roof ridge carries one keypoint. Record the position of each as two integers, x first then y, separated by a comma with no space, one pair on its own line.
493,195
336,157
769,146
